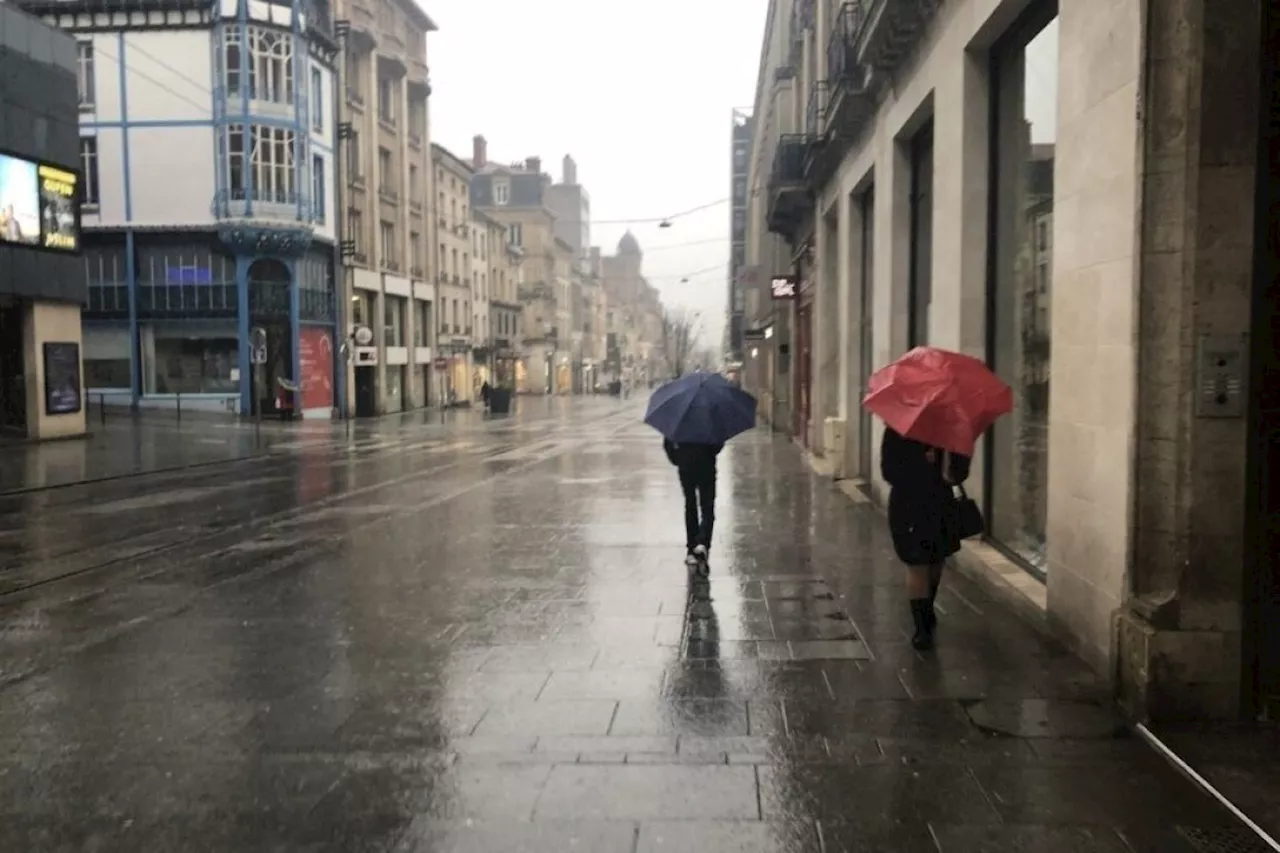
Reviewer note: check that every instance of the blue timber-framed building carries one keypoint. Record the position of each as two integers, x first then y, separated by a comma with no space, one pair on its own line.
208,136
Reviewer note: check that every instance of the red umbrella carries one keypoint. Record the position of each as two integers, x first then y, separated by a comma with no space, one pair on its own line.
938,397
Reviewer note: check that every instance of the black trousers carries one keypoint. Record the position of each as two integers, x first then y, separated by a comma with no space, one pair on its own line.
699,487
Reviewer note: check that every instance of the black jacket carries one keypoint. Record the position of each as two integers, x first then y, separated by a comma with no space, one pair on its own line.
922,504
692,457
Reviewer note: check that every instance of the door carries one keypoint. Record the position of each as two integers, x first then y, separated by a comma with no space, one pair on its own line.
1262,641
866,209
13,382
366,392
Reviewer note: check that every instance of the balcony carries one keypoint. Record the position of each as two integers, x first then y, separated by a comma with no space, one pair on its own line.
389,195
390,265
790,200
418,78
892,29
851,103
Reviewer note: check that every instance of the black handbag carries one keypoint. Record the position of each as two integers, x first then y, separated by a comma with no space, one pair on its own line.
969,520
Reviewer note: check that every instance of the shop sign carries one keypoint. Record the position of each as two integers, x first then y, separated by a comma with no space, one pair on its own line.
441,363
39,205
61,378
783,287
363,336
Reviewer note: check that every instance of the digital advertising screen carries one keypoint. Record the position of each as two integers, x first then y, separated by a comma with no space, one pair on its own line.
19,202
59,208
39,205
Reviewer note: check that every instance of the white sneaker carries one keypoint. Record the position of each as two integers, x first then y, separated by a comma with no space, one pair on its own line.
690,560
700,553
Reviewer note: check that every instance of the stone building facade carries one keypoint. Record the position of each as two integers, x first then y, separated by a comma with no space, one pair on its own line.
1073,192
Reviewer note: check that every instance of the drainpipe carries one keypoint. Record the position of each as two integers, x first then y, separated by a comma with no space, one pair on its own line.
341,342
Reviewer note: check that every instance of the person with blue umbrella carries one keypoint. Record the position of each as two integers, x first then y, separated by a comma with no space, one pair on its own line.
696,414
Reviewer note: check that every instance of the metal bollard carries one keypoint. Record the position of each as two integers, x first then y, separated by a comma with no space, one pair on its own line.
179,398
102,408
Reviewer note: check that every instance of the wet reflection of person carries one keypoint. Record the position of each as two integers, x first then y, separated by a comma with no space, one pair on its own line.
700,675
922,507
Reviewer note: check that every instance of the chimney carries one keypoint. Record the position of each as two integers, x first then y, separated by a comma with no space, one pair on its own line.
479,151
570,171
533,164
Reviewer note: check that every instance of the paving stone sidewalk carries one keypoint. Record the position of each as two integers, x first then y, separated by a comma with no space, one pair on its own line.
527,667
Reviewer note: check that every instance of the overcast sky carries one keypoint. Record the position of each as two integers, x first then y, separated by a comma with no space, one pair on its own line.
640,94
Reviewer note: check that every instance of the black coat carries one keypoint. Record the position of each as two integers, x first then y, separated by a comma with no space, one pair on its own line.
692,458
922,504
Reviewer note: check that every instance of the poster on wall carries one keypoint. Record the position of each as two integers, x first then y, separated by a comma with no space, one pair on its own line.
315,352
59,209
19,202
61,378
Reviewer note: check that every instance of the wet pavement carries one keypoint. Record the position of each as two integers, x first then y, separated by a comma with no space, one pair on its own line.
121,443
480,636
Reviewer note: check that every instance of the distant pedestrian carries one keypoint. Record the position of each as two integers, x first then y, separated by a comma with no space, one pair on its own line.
697,466
486,391
922,519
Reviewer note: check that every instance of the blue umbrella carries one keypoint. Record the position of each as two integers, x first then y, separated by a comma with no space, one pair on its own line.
701,408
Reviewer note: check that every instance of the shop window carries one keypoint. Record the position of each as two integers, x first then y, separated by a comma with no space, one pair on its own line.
1026,89
108,364
182,358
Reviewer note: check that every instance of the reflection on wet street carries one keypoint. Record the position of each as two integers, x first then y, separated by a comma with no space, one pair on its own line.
481,637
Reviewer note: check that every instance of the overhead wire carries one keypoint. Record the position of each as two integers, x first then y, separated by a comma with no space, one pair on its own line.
207,108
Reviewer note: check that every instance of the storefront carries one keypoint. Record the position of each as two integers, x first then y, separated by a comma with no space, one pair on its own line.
458,388
506,368
1025,72
480,370
42,286
564,376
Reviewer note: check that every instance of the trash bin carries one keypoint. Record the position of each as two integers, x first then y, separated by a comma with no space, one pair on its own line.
500,401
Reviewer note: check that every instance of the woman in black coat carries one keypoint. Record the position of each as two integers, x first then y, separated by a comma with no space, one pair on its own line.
922,519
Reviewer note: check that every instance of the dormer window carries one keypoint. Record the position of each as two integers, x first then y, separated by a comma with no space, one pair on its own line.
501,192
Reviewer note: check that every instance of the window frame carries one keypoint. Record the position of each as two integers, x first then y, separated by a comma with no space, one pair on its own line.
1025,28
86,83
89,168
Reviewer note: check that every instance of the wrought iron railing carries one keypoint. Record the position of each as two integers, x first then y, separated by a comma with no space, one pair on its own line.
842,49
816,113
788,159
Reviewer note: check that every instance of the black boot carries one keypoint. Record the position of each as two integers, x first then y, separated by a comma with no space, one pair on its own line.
923,616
